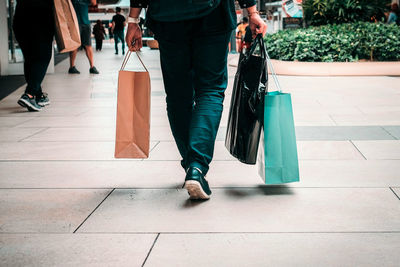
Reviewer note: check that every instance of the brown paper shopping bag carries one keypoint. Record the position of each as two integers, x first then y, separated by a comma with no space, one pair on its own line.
67,27
133,113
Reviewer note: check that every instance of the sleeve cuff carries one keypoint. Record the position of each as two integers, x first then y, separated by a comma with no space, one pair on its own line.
247,3
139,3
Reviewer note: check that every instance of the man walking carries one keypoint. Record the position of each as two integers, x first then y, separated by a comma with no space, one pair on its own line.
118,25
193,39
82,12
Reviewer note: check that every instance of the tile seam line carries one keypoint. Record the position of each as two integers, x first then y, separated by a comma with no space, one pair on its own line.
199,233
256,186
394,137
151,249
351,141
39,132
179,187
93,211
168,160
391,189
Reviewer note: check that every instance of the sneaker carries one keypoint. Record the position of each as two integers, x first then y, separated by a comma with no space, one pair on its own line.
73,70
29,102
43,100
93,70
196,185
116,53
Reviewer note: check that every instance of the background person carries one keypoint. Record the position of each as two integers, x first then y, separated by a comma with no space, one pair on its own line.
99,32
193,41
241,31
82,12
36,46
394,16
118,25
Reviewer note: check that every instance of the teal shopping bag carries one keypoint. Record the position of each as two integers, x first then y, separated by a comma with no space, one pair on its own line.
278,161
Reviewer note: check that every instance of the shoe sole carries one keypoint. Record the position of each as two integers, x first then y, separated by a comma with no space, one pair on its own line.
28,105
195,190
44,104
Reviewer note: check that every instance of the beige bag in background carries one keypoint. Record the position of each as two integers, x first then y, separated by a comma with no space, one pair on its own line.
67,27
133,113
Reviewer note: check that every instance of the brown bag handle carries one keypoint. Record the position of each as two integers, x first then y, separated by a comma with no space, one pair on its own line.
126,59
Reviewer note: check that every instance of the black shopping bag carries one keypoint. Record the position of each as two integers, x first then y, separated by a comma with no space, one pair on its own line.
247,105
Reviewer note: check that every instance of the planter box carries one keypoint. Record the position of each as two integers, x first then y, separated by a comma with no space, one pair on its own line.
297,68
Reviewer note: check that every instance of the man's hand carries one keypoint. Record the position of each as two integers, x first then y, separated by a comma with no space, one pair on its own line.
257,25
134,37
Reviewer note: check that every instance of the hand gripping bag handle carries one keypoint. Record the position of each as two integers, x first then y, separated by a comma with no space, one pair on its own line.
126,59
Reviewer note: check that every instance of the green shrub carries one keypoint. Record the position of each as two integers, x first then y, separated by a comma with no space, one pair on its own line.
344,42
321,12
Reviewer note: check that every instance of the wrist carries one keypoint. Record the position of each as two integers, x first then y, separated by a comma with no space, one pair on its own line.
252,11
135,20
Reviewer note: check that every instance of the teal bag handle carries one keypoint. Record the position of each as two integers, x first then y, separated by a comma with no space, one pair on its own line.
278,85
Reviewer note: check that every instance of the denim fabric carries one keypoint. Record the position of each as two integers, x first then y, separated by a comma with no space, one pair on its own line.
119,36
194,65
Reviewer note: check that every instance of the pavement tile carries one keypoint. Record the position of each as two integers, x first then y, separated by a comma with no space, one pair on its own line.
302,249
367,119
342,133
349,173
68,122
73,135
59,150
328,150
313,120
393,130
169,174
74,249
15,135
46,210
262,209
383,149
13,121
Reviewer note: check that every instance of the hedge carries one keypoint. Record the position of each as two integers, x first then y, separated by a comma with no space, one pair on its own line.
337,43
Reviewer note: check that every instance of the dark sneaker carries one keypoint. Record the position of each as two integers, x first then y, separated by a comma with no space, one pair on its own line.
73,70
93,70
196,185
29,103
43,100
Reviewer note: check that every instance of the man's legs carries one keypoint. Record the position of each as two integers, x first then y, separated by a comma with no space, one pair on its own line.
210,80
176,65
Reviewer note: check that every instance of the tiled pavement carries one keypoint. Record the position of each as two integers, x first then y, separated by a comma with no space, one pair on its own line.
66,201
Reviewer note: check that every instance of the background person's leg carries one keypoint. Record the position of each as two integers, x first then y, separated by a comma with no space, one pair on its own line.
72,57
89,54
116,42
37,55
122,42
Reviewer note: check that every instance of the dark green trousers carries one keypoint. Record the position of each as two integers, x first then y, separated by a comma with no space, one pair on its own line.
194,65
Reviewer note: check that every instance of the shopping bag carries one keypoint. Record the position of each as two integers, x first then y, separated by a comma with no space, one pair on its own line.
133,113
67,27
247,104
277,158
